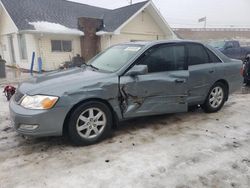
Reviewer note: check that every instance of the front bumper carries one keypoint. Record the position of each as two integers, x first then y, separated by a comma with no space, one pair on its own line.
48,122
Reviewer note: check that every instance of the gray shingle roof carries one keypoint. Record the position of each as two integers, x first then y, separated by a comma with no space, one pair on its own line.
65,13
115,18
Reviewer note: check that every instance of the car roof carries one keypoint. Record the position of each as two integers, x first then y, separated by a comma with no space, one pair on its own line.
151,43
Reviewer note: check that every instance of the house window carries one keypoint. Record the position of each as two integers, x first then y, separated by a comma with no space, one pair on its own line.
22,46
61,45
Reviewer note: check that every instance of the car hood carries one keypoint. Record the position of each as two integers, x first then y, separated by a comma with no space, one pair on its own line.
56,83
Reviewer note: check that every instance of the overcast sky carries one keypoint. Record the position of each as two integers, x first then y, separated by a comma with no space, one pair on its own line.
185,13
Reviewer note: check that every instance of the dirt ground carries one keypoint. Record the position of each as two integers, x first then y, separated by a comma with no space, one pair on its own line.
192,149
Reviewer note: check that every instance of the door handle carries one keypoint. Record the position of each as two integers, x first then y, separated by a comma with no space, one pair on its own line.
180,81
211,71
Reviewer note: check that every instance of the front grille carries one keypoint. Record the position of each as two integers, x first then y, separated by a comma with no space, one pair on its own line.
18,96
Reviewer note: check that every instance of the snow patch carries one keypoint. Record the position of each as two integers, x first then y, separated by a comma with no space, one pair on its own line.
48,27
99,33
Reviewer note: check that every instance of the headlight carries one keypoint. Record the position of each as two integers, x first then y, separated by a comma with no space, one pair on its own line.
39,102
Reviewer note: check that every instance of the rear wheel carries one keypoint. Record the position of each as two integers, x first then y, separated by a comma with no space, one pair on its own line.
90,123
247,56
216,98
247,82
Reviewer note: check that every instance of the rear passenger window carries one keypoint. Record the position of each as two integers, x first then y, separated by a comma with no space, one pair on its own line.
236,44
197,55
212,57
165,58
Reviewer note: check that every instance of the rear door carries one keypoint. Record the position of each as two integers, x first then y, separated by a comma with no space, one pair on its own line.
163,89
202,72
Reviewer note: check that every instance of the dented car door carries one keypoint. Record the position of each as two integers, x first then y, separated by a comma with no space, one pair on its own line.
163,89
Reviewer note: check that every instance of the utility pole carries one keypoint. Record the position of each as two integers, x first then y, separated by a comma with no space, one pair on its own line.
130,2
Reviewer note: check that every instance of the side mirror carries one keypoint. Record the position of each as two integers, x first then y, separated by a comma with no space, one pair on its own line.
137,70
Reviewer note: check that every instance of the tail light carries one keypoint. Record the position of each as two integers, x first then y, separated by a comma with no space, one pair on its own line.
242,70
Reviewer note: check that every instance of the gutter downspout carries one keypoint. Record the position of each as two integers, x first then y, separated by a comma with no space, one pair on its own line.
40,54
110,38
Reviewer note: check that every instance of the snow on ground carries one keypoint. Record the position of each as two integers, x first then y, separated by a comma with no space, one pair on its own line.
48,27
192,149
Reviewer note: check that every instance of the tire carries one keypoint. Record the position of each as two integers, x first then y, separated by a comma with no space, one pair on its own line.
89,123
247,55
193,108
247,82
216,98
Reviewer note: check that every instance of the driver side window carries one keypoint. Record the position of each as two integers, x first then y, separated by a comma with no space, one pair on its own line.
164,58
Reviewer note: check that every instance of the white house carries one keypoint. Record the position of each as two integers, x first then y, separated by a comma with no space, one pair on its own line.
50,28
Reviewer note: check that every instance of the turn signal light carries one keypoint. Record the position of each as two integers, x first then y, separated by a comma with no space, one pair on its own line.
48,103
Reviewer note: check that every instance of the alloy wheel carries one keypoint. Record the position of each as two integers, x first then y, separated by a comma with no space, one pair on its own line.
91,123
216,97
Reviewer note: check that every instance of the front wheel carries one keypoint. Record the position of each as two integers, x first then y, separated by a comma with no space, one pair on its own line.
89,123
215,99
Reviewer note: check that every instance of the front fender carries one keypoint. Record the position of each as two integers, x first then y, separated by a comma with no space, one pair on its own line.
107,91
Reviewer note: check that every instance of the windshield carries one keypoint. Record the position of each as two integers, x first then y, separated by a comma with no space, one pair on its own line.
115,57
217,44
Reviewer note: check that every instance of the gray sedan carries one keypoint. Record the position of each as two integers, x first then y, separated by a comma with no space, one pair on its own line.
125,81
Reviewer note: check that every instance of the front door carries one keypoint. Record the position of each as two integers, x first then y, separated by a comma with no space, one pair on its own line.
164,89
11,50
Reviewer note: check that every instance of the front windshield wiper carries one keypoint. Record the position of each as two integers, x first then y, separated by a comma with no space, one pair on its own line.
93,67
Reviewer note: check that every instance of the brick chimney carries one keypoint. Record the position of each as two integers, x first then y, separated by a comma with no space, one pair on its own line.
90,42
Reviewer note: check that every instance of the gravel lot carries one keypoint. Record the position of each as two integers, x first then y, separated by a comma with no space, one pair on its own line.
181,150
